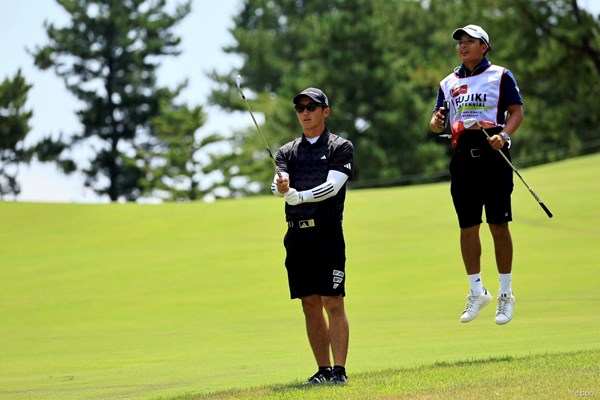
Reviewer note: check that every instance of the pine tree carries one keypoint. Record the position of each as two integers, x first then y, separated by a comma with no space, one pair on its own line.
108,56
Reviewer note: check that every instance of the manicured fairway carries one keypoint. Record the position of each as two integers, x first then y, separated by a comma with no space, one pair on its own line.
128,301
546,376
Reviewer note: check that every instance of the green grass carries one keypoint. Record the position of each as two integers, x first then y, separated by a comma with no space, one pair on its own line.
548,376
126,301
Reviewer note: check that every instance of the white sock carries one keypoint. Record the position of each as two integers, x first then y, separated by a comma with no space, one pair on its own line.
505,280
476,284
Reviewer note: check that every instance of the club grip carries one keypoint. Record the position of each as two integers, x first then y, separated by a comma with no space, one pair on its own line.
546,210
446,105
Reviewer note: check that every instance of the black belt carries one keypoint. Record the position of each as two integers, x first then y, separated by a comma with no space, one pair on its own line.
310,223
473,144
474,153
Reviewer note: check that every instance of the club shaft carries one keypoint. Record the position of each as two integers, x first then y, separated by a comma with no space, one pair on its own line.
535,196
258,129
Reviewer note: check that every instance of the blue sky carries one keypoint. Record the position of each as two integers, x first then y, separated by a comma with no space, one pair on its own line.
204,33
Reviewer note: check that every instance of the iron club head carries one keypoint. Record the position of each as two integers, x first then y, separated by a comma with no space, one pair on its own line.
238,81
470,122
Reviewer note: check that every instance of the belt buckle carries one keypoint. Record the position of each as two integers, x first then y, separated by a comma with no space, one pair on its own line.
475,153
306,223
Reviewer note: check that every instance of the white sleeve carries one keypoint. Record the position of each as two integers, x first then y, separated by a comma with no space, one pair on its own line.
331,187
274,183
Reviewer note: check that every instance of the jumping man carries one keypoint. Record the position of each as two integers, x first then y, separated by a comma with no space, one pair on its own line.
479,177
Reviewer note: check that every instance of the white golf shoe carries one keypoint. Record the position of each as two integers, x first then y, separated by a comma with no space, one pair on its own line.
474,305
506,305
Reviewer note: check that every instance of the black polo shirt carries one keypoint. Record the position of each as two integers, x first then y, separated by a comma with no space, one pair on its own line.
308,165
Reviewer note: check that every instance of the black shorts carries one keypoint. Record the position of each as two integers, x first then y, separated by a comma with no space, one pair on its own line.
481,178
316,260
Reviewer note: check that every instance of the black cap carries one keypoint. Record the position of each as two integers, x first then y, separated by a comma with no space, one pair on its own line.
315,94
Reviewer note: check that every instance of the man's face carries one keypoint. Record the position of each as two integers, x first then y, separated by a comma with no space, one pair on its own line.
311,120
470,50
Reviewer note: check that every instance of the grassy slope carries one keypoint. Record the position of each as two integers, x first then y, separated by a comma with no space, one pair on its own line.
137,301
547,376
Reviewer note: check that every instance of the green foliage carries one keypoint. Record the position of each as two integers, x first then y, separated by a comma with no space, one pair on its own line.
176,167
14,127
381,62
108,56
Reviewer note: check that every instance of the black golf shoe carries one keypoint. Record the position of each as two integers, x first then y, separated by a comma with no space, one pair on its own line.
323,375
338,376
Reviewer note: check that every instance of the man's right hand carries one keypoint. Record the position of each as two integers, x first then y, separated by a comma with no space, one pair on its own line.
437,120
283,184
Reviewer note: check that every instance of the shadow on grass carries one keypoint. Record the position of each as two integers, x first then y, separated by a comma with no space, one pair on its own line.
474,361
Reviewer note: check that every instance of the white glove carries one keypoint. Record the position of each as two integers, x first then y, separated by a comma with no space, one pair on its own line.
293,197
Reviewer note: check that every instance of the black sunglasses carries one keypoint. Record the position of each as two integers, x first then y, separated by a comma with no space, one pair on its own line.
310,107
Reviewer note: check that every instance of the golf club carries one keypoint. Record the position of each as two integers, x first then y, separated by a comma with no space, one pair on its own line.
446,133
239,85
470,122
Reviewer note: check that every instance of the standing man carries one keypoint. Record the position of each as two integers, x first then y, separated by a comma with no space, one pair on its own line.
315,168
479,177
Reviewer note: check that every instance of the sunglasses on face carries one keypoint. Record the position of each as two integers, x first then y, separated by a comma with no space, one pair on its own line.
310,107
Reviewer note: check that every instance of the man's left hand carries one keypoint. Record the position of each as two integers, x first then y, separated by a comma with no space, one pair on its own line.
293,197
496,141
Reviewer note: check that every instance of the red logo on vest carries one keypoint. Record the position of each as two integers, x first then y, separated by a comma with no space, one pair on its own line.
459,90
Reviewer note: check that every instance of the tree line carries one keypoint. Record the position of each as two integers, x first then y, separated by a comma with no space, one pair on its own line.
380,62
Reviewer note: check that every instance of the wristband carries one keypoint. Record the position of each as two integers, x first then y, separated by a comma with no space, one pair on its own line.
506,138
